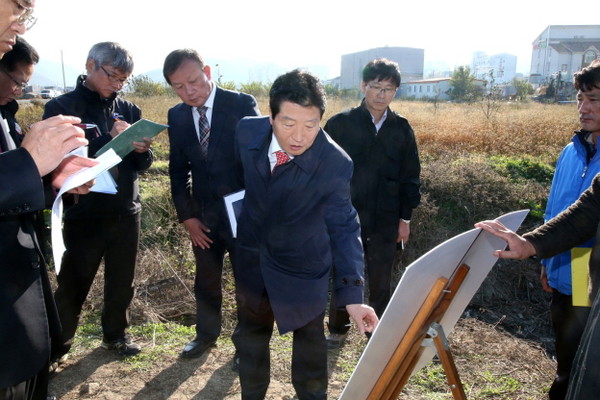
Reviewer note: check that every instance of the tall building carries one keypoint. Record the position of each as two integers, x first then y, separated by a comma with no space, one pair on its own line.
504,66
410,61
561,50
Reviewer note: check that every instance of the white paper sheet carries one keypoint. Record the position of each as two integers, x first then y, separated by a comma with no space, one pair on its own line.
105,162
233,205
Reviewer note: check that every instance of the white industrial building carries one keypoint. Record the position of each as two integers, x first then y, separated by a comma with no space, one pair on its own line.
561,50
430,88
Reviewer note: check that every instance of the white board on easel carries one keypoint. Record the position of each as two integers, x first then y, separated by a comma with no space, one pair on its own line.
474,248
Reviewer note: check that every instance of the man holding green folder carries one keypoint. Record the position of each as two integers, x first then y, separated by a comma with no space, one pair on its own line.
102,226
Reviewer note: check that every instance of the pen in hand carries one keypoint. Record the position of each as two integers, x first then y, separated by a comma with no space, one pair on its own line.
86,126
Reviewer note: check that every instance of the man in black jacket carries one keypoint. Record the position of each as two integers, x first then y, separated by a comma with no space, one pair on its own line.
385,185
27,311
102,225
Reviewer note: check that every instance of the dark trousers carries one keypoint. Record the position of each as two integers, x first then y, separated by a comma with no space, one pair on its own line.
309,354
87,242
569,323
35,388
208,287
585,376
379,261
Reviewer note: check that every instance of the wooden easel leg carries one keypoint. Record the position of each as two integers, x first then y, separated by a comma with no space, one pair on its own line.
443,350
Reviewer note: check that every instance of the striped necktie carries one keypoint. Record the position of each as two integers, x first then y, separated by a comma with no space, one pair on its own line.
204,130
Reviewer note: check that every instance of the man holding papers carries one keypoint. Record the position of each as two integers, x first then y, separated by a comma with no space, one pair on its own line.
201,168
27,310
102,225
296,222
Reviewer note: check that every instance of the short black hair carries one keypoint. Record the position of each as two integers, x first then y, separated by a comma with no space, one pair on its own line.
21,53
381,69
176,58
297,86
588,78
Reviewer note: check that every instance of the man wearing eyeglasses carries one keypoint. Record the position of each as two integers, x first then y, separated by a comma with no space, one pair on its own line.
100,225
385,185
16,67
16,17
27,312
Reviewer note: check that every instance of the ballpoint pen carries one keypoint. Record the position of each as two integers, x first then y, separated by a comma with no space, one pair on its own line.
89,126
86,126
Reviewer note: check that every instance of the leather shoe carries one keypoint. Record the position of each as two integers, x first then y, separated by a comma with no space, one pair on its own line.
196,348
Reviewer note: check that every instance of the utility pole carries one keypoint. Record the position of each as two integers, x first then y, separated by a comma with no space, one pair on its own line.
62,62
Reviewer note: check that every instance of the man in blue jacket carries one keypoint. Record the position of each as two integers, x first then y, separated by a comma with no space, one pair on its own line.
297,220
577,165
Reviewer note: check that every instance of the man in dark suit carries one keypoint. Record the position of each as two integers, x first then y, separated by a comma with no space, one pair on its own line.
297,220
201,137
27,312
385,185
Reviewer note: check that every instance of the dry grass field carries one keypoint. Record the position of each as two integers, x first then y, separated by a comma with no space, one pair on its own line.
473,168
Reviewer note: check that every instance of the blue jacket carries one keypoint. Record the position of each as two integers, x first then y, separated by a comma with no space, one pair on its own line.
573,175
295,224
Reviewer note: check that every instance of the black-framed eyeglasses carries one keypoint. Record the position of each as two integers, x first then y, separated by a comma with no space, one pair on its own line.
18,85
113,78
382,90
26,18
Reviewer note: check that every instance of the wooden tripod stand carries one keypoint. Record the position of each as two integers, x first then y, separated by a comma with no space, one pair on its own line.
424,328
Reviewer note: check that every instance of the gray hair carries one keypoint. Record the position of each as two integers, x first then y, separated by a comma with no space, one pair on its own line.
113,55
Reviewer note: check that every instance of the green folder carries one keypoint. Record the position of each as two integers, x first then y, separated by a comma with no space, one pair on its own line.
580,276
123,143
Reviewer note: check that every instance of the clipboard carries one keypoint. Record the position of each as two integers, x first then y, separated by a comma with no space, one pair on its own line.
122,144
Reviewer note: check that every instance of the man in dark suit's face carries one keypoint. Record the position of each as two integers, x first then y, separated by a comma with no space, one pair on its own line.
192,83
296,127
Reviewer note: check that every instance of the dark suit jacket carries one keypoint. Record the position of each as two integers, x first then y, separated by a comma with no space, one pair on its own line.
198,185
293,226
28,316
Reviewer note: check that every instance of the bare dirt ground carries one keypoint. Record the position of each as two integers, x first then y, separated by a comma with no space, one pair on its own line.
478,349
502,348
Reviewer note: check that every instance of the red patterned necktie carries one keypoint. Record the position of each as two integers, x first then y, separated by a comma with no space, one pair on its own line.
282,158
204,129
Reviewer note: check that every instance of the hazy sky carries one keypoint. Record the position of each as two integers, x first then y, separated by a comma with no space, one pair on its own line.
305,33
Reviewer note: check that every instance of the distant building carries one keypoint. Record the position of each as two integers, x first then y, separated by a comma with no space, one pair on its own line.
561,50
427,88
430,88
504,66
410,60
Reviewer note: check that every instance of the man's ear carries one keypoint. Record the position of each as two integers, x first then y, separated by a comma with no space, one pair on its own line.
363,87
90,65
207,71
